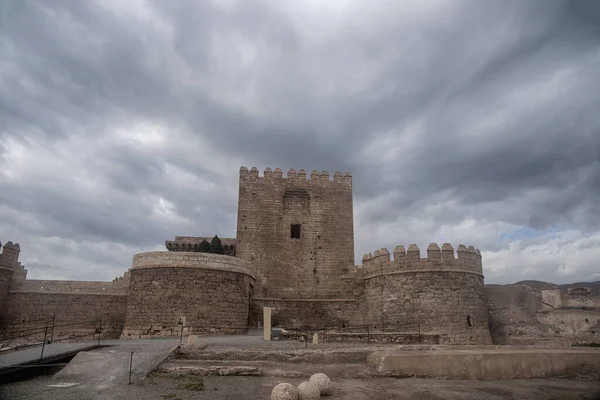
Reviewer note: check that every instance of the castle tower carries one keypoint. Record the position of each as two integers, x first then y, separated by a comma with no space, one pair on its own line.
298,233
8,261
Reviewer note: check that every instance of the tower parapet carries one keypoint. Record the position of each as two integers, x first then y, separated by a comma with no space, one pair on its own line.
468,259
299,176
10,254
9,264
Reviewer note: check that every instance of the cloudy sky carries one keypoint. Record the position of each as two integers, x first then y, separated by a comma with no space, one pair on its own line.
124,123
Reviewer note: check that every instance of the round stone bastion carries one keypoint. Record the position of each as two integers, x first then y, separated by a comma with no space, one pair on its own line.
171,292
440,295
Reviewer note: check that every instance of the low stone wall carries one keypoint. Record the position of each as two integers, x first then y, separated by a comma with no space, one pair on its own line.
194,292
288,313
485,364
366,337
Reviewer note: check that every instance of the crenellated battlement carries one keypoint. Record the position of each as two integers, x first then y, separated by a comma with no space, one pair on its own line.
293,175
468,259
9,258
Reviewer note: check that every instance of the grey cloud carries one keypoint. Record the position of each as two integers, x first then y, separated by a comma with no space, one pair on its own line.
424,115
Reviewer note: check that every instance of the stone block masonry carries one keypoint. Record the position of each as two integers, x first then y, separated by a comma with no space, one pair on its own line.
444,294
81,308
296,313
5,280
294,253
196,292
9,266
298,233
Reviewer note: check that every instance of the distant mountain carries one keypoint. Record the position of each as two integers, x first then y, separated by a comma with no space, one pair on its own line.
532,284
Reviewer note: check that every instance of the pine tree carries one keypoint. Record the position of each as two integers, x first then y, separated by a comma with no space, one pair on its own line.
204,246
215,246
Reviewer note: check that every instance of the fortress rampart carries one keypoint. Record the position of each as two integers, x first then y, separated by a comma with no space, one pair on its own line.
294,252
196,292
468,260
315,176
26,302
444,294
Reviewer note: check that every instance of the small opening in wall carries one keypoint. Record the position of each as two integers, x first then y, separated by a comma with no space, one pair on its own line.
587,320
295,231
469,323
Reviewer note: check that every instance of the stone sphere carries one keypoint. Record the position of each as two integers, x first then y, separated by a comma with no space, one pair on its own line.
284,391
308,391
323,382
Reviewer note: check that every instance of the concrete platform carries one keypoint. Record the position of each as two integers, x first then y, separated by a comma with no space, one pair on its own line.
19,359
488,364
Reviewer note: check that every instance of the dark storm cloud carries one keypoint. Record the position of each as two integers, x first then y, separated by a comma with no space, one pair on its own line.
124,124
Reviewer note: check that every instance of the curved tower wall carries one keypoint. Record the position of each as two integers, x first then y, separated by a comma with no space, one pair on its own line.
203,292
442,293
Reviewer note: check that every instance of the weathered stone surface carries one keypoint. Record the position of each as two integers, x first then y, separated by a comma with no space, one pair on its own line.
305,267
284,391
212,370
521,315
308,391
445,303
196,292
85,309
306,280
323,382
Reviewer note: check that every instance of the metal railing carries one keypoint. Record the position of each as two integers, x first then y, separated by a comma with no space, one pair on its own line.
368,330
52,332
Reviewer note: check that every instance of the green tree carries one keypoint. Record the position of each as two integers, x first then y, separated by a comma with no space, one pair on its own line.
215,246
204,246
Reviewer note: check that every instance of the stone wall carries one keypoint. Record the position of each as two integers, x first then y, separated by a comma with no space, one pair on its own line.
317,313
85,309
521,315
573,297
308,267
573,322
201,292
70,287
443,294
5,281
512,310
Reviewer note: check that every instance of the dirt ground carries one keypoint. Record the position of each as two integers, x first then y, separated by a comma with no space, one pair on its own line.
161,386
291,362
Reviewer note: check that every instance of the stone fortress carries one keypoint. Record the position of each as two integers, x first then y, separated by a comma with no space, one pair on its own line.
294,253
